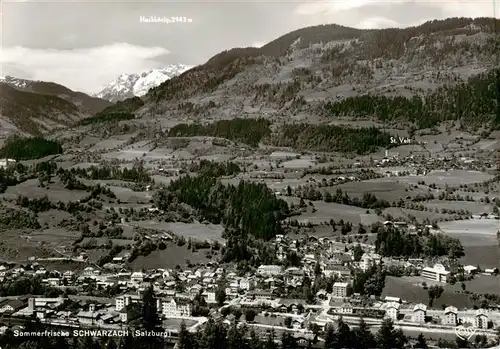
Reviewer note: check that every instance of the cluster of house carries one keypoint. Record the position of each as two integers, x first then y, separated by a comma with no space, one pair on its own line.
448,317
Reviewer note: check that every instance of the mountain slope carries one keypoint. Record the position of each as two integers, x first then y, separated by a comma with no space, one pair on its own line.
297,75
35,113
130,85
84,102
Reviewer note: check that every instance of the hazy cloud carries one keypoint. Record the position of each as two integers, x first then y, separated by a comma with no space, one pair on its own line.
81,69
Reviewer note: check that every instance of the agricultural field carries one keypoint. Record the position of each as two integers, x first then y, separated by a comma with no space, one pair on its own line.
473,232
197,231
405,213
487,256
411,290
389,189
169,258
483,284
472,207
55,191
322,212
478,236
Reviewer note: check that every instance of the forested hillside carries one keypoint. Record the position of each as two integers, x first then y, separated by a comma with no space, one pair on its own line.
249,207
474,102
19,148
249,131
23,109
328,138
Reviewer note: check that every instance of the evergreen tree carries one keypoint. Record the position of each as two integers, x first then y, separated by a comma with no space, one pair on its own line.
255,342
220,296
462,343
150,320
421,342
364,339
288,341
214,335
330,337
271,341
186,339
344,337
150,317
236,338
390,338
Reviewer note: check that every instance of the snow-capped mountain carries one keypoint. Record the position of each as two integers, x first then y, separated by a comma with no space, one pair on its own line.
130,85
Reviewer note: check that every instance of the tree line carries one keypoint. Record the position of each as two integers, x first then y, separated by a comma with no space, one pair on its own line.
214,169
327,138
28,285
137,173
331,138
121,110
27,148
106,117
392,242
368,200
249,131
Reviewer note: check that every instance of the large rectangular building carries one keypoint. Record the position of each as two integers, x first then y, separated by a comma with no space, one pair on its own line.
437,273
340,289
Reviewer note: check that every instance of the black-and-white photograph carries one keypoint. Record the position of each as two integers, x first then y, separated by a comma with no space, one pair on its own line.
320,174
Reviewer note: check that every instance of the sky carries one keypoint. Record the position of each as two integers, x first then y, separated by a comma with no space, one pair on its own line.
84,45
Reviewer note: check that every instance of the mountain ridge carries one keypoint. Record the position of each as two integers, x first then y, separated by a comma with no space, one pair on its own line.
86,103
294,76
35,113
137,85
40,107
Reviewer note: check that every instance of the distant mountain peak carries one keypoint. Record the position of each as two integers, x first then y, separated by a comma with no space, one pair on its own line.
130,85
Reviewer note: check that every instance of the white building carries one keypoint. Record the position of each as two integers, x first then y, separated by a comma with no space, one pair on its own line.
123,315
269,270
437,273
37,303
123,301
137,276
90,317
53,281
392,310
419,313
11,305
470,269
481,320
346,308
368,260
175,307
89,272
246,284
450,316
211,296
339,289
